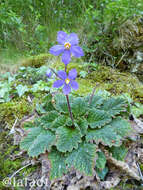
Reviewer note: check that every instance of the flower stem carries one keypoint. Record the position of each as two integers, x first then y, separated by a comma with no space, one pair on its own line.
91,97
65,68
69,108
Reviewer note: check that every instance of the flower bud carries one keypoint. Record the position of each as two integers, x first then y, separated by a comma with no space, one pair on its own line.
49,73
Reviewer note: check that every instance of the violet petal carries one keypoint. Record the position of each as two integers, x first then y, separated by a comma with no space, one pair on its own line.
72,74
74,85
66,89
72,39
62,74
56,50
66,57
77,51
61,37
58,83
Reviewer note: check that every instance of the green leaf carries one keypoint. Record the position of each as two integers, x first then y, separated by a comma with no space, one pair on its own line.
47,104
21,89
83,158
114,106
106,135
58,165
48,119
61,103
67,138
96,101
137,110
97,118
79,107
40,86
102,172
59,122
83,125
101,161
53,120
121,126
119,153
38,141
83,74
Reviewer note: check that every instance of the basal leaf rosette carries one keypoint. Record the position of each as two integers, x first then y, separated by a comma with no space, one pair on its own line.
75,146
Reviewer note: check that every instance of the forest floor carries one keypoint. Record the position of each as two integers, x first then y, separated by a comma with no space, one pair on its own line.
122,175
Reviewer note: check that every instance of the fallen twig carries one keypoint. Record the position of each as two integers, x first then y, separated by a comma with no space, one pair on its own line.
20,170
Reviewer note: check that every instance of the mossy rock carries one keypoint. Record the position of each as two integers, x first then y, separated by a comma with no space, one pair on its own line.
112,80
36,61
18,108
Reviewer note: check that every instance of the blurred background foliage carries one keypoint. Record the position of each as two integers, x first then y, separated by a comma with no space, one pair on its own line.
30,26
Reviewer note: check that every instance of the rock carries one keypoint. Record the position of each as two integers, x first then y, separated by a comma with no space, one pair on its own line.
129,43
73,187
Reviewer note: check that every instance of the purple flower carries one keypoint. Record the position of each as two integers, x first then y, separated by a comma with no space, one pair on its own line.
68,45
67,82
49,73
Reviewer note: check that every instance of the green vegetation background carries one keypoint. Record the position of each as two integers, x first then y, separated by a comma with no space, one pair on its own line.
29,27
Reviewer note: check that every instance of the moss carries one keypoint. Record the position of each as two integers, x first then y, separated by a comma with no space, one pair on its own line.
7,165
124,185
15,109
36,61
85,86
113,81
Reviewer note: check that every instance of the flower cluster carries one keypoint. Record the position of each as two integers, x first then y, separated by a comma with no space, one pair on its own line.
68,47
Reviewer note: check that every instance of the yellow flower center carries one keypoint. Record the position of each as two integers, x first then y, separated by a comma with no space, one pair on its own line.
67,81
67,45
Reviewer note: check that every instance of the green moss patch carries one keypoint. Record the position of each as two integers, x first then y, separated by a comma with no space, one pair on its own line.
112,80
14,109
36,61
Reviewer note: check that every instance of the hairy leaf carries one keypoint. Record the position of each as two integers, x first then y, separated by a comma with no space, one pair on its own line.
106,135
58,165
83,126
83,158
97,118
47,103
53,120
121,126
67,138
61,103
21,89
79,107
59,122
119,153
48,119
38,141
101,161
114,106
102,172
96,101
